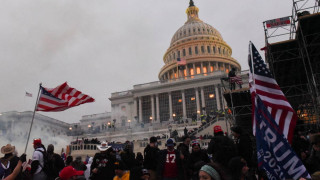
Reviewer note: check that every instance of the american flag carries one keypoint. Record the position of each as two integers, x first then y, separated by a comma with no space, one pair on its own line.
263,84
181,61
236,79
61,98
28,94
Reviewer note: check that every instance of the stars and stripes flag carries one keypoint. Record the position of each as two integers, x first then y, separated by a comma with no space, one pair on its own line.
181,61
60,98
28,94
263,84
236,79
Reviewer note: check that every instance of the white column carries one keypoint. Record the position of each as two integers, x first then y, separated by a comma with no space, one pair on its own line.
203,103
184,112
197,99
158,108
140,110
201,68
217,97
170,107
187,69
223,99
209,67
217,66
194,69
135,109
152,108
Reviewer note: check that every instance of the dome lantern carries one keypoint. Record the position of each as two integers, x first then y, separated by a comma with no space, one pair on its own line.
192,12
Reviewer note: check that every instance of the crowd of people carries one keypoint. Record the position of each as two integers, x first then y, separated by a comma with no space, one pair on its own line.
225,159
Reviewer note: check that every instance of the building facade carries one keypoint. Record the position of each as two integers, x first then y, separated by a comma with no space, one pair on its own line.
184,91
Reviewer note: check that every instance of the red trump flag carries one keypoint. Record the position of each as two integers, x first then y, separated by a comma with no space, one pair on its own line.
60,98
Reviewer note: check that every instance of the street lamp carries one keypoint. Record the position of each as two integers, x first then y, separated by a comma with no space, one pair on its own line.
129,121
89,125
70,128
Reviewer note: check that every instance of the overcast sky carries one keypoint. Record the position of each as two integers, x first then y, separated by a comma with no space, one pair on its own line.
105,46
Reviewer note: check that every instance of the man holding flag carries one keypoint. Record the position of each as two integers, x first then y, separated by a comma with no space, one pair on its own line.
274,121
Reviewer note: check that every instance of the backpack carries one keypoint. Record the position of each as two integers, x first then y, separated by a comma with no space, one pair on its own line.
45,167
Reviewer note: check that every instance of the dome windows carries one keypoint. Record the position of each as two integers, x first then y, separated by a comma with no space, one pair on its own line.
190,51
208,49
202,49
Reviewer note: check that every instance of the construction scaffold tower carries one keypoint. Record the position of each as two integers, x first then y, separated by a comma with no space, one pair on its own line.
293,54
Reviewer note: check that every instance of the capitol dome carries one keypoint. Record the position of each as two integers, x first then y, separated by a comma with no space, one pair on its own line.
199,48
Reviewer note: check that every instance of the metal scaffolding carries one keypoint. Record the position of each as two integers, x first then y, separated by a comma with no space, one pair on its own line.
293,56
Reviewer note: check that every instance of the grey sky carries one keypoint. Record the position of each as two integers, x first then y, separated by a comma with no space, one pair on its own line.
104,46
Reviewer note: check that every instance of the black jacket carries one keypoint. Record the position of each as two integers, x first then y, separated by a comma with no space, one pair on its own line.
313,162
150,157
105,164
129,159
162,160
55,164
245,148
196,161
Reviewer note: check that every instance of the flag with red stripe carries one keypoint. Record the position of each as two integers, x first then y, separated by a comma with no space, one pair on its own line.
263,84
61,98
236,79
181,61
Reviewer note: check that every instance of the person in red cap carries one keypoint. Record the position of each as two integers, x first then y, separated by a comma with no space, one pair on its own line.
217,131
69,173
38,161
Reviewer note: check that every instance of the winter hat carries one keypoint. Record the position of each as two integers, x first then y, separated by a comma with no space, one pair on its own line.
195,143
68,172
7,149
170,142
153,139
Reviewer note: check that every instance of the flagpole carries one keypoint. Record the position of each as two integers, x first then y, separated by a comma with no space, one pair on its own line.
252,68
34,112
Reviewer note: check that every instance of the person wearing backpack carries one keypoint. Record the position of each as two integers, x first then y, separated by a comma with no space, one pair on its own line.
55,163
38,161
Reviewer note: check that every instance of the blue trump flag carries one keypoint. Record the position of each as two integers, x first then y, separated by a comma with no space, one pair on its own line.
274,153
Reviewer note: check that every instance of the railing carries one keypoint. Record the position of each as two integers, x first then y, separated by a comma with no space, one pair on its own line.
207,125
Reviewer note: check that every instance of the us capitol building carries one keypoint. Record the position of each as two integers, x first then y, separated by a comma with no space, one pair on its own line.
182,94
185,91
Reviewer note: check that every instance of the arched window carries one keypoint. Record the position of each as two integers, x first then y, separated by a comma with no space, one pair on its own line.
202,49
190,51
196,49
184,52
208,49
